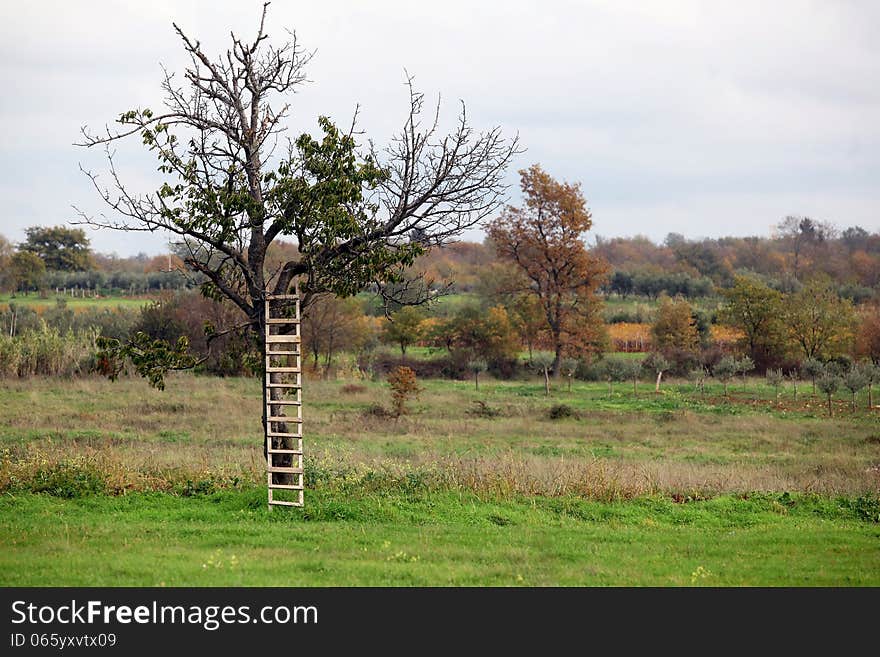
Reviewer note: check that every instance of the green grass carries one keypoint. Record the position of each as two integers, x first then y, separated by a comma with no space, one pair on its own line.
230,539
34,301
643,489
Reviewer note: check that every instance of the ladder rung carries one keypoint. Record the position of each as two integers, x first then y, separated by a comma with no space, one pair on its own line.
282,418
285,486
279,370
295,452
278,434
282,320
285,470
288,297
284,385
284,402
272,339
285,503
284,353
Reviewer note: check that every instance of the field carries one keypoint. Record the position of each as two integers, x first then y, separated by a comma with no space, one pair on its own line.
35,302
118,484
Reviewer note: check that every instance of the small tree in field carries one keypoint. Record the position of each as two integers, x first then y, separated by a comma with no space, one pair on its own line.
871,372
813,368
828,383
633,373
568,367
477,366
614,368
405,328
744,365
698,376
543,362
775,379
658,364
725,370
794,376
404,387
854,380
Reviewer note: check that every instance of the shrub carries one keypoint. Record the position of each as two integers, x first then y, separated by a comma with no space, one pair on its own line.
353,389
404,387
560,411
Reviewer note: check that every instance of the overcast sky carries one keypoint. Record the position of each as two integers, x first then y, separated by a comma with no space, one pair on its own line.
703,118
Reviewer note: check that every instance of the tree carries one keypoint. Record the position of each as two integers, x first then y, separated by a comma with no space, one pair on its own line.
698,375
6,252
854,380
477,366
482,334
543,362
60,248
658,364
818,321
331,324
828,383
404,328
229,193
725,369
674,326
26,271
813,368
775,379
744,365
871,372
868,335
404,387
568,367
614,369
756,310
803,233
543,239
528,318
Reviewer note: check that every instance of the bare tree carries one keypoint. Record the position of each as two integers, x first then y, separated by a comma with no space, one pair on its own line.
234,184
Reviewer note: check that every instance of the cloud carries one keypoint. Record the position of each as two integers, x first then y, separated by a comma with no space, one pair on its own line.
702,118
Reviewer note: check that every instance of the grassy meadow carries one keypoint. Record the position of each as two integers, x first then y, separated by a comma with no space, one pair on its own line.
35,302
115,483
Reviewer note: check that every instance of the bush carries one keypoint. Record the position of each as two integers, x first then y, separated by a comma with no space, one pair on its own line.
560,412
404,387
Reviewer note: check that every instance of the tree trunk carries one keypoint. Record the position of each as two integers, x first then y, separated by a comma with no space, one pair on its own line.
546,381
830,408
476,380
657,385
870,397
635,387
557,358
854,402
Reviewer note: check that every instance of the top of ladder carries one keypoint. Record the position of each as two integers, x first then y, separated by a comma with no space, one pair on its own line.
282,297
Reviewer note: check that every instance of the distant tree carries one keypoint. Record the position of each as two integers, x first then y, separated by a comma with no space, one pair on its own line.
543,362
482,334
803,233
568,367
404,328
60,248
6,252
477,366
621,283
698,376
813,368
26,271
775,379
658,364
331,324
614,369
756,310
854,380
794,376
724,370
819,322
544,239
634,373
828,383
855,238
868,335
674,326
528,318
871,372
744,365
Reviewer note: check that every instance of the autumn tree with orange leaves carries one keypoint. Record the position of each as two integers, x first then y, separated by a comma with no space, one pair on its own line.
543,240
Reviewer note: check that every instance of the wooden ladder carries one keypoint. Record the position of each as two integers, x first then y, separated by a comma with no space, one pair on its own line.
283,394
